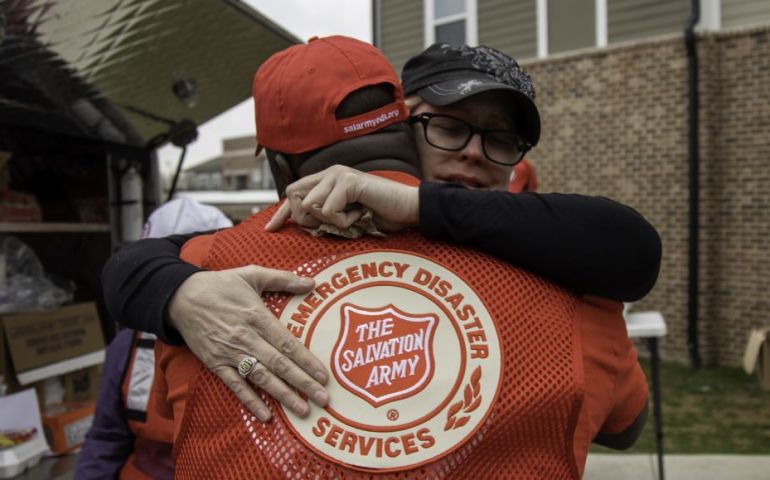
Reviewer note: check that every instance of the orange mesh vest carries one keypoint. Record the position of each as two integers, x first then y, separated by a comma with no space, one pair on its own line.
445,363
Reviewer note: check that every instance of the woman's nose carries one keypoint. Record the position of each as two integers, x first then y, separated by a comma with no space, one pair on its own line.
474,150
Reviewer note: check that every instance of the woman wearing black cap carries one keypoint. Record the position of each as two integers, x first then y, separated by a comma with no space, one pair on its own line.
473,117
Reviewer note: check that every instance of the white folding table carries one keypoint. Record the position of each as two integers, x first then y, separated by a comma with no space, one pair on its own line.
651,326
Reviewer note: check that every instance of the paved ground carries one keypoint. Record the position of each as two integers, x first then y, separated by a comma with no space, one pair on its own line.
599,467
678,467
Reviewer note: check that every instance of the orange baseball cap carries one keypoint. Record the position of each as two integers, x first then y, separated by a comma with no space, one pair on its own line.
297,91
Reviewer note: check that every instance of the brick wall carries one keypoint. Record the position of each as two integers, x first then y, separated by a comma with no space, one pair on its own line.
615,124
738,199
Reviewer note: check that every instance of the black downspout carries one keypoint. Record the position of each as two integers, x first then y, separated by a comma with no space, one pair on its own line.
694,166
376,23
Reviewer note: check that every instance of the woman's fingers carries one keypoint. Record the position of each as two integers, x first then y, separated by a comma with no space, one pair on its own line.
326,197
275,374
298,213
337,202
245,393
223,319
263,279
279,218
287,356
323,197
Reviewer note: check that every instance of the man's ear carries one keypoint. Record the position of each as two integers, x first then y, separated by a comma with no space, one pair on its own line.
281,169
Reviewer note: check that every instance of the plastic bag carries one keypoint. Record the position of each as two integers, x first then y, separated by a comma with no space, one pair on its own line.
24,285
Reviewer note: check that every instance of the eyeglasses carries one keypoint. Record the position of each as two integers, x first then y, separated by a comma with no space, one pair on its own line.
449,133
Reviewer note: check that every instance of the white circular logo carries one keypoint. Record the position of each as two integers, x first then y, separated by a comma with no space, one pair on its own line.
414,356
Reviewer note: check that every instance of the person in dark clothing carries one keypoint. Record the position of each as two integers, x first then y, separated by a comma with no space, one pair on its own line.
591,245
126,439
109,442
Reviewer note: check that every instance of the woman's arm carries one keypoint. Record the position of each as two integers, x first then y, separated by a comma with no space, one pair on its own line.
591,245
220,315
140,279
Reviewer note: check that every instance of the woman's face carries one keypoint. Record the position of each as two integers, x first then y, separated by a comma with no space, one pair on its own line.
468,166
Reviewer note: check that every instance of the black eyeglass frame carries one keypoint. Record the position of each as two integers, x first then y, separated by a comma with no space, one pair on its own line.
424,118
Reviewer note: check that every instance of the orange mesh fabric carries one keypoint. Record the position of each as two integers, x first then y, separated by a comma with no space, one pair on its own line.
528,433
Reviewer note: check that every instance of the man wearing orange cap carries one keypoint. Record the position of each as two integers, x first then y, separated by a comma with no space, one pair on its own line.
445,361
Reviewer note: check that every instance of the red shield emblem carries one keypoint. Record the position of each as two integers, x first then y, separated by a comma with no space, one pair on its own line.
385,354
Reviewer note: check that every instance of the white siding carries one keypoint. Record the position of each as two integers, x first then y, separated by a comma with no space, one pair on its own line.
636,19
401,30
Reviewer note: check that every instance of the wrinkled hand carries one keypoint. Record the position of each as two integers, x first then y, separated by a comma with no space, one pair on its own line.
222,319
334,196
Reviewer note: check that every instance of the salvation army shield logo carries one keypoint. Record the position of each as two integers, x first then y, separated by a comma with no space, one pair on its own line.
384,354
414,354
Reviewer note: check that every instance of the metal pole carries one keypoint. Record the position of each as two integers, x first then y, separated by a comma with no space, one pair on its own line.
172,190
376,23
656,403
694,186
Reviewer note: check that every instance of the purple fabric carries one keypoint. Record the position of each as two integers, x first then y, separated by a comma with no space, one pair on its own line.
154,458
109,442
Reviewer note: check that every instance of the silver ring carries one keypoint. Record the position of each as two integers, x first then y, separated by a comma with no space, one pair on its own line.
246,365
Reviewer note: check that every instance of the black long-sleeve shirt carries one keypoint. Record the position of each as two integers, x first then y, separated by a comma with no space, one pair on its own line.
591,245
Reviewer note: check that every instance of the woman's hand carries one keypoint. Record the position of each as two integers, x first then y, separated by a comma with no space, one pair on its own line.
334,196
222,319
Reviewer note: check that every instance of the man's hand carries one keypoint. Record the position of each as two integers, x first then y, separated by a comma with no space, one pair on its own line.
222,318
331,197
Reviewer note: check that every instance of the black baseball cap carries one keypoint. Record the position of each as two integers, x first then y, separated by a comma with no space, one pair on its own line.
442,75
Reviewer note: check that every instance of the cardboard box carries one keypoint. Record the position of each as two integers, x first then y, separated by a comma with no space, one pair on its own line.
82,385
757,356
78,386
55,342
66,425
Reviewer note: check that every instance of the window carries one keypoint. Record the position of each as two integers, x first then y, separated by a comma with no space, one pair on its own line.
526,28
201,181
451,21
256,178
571,25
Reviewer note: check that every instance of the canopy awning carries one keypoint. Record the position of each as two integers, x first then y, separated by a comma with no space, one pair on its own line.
87,67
